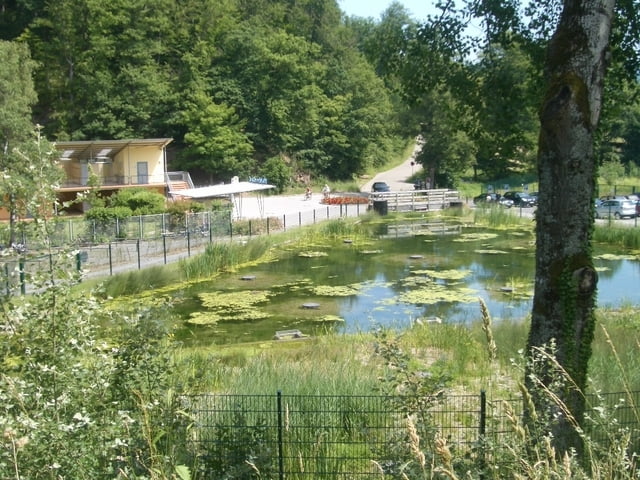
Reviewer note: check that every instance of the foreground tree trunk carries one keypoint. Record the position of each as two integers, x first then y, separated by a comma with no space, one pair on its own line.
565,286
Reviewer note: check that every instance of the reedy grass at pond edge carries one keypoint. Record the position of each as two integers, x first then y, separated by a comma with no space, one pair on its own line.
337,364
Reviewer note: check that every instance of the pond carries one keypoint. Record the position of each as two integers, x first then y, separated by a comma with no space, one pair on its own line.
412,272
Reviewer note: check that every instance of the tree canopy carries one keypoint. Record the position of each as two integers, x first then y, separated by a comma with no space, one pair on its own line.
236,83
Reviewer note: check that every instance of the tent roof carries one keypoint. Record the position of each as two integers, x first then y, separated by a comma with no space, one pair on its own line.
223,190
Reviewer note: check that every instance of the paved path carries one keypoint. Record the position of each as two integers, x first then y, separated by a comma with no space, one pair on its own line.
397,178
262,206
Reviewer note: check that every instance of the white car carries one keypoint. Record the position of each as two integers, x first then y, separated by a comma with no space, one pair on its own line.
616,208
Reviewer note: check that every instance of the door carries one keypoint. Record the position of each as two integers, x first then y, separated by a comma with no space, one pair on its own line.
143,172
84,173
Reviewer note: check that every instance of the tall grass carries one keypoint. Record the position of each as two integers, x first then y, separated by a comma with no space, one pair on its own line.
311,365
497,216
305,367
616,370
220,256
611,234
139,281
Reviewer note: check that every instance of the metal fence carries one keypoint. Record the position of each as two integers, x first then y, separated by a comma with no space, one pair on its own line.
344,437
108,248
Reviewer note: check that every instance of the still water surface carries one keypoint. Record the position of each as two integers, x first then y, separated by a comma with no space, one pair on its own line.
412,272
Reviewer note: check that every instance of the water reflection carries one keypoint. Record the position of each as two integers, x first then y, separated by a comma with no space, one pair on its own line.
413,271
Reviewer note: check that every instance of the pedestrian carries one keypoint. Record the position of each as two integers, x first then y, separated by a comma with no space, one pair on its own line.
326,191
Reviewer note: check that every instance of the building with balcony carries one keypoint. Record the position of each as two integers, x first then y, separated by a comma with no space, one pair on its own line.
115,165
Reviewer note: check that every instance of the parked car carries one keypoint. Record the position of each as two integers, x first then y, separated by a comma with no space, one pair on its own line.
380,187
521,199
493,198
616,208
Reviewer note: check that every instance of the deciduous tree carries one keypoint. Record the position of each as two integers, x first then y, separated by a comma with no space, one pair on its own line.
26,158
566,281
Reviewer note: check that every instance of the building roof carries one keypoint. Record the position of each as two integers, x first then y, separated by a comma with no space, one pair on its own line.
88,149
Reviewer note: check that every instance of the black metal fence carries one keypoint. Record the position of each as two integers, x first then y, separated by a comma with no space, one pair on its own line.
108,248
344,437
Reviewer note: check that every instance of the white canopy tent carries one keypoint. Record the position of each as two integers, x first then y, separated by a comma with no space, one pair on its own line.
234,191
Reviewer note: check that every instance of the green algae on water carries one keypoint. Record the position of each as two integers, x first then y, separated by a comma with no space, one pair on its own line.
435,293
474,237
229,307
328,319
336,291
313,254
450,274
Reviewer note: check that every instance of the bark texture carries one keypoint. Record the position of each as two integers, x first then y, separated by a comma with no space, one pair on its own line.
565,284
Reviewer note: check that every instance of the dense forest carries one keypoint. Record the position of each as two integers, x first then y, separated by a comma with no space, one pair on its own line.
261,87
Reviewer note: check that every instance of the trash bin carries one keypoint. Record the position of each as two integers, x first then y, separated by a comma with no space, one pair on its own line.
381,207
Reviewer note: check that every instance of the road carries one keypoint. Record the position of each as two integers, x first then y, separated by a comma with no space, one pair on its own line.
397,178
262,206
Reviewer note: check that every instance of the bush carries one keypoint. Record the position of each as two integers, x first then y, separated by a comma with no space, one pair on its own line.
277,173
181,207
140,201
78,405
106,215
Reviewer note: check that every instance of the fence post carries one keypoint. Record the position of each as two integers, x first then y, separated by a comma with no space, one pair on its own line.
6,277
284,223
110,261
482,431
299,219
138,252
78,261
23,286
280,447
314,216
268,230
164,248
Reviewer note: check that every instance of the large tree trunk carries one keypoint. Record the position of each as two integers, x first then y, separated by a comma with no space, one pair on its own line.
565,286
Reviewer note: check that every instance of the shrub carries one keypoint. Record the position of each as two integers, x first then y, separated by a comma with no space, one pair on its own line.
140,201
182,207
75,404
105,214
277,173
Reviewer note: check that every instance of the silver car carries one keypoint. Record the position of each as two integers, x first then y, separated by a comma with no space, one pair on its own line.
616,208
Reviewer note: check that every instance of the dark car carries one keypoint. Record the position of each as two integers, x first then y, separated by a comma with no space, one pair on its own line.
492,198
521,199
380,187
